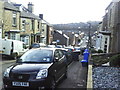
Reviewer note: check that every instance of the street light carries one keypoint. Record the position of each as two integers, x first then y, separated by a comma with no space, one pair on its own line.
89,40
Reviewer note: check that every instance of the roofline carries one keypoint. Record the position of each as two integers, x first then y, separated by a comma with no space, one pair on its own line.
10,9
109,5
29,17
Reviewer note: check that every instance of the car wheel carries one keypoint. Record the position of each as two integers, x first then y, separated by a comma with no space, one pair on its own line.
15,56
53,84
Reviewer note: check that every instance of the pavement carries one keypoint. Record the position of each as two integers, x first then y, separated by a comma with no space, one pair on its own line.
6,61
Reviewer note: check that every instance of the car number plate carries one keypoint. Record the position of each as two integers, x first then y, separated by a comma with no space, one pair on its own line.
25,84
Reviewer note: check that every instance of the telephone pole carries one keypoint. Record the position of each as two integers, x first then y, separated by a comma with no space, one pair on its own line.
89,34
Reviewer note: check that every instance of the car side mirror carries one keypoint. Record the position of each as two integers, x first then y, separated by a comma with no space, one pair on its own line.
56,59
18,60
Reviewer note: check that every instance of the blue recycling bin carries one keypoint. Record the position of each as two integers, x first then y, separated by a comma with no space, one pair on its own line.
85,58
86,55
84,63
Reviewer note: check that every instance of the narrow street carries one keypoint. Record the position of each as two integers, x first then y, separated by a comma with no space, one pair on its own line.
76,76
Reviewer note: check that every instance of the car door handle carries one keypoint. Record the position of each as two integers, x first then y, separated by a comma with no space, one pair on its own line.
54,70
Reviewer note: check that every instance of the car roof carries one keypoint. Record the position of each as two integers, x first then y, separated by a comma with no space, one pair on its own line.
45,48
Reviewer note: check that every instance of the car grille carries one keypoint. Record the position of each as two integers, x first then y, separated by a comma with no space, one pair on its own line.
20,77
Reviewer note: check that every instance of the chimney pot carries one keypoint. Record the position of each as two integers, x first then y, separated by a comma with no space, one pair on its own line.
41,16
30,7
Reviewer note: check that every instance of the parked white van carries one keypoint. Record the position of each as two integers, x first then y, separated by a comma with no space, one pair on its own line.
12,48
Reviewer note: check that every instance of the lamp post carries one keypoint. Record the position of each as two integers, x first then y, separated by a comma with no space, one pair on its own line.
89,40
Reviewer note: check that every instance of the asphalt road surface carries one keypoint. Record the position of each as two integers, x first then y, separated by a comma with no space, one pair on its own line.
77,77
4,63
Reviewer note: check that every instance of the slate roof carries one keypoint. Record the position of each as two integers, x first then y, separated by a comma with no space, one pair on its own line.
26,13
29,15
10,6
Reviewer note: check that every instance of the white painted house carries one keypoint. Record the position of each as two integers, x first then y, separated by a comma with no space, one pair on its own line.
103,41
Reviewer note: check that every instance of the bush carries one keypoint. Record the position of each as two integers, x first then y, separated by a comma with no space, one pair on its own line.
100,51
93,51
115,60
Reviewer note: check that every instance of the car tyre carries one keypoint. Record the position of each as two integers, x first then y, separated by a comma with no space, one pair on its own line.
15,56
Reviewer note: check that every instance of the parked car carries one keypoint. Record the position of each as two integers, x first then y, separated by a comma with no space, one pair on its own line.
37,45
59,46
76,53
82,50
70,48
37,68
51,46
77,49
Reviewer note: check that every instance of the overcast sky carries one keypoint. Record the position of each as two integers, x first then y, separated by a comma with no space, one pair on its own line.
68,11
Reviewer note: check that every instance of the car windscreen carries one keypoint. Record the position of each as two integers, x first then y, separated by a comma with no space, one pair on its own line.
37,56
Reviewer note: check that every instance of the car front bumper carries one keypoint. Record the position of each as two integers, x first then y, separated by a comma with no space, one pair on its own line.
36,84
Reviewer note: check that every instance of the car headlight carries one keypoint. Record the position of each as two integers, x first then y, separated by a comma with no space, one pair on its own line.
7,71
42,74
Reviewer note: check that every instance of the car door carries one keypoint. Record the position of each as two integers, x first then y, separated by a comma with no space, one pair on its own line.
60,64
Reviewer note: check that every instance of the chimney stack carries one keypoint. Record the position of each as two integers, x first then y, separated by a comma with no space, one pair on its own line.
41,16
30,7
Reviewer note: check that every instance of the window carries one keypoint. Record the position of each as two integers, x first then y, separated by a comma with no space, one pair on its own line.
42,30
25,39
58,54
32,24
38,25
105,40
22,39
14,21
13,36
61,53
105,48
23,25
42,26
98,36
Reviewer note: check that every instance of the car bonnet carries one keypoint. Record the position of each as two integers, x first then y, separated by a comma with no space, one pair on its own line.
28,68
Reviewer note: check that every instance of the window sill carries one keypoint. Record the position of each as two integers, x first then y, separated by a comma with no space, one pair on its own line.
14,25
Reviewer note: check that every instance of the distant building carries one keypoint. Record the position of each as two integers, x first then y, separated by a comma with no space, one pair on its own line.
46,32
60,38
